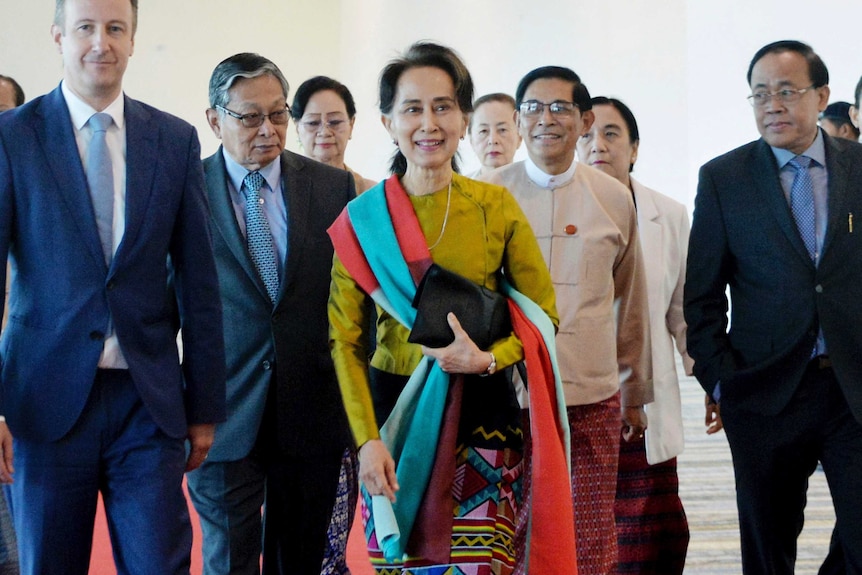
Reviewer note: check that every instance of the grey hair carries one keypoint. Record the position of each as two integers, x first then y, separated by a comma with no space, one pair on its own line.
244,65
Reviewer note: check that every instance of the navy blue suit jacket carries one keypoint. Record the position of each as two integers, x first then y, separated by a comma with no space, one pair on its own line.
291,337
743,236
63,294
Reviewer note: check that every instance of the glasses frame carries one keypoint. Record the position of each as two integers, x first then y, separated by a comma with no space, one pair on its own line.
542,105
785,96
254,116
340,125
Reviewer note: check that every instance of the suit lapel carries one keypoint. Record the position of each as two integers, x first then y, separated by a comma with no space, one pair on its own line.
768,187
297,197
224,217
57,138
142,159
839,170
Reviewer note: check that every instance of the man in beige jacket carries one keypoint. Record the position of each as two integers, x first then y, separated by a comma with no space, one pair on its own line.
586,225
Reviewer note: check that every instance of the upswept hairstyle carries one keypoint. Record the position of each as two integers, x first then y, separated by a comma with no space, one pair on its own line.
580,94
244,65
319,84
425,54
628,118
817,71
495,97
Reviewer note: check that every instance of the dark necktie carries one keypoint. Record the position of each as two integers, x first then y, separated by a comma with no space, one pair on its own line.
100,178
258,235
802,203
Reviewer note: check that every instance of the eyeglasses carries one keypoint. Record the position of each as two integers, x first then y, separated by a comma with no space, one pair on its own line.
785,96
255,120
559,108
314,126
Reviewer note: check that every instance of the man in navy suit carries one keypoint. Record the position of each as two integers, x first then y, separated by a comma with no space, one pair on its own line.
90,382
282,444
774,222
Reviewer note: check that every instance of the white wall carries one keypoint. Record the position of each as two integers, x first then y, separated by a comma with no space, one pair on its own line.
679,64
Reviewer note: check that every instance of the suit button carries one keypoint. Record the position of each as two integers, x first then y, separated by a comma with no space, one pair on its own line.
818,288
97,335
266,365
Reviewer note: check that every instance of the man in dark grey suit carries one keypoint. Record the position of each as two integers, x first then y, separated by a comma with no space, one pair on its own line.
774,221
282,444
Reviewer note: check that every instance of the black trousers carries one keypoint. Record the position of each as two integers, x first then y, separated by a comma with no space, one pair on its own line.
773,457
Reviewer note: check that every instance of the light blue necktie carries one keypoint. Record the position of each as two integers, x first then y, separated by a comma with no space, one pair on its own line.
100,178
802,203
258,235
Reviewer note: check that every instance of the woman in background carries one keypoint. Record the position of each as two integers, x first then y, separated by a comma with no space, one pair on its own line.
652,530
324,113
493,132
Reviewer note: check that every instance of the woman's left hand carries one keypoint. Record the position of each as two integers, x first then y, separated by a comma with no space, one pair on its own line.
460,356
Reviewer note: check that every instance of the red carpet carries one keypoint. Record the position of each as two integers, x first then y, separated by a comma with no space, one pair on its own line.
102,563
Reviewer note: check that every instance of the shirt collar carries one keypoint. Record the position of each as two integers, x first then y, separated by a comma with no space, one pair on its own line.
80,111
544,180
816,151
237,173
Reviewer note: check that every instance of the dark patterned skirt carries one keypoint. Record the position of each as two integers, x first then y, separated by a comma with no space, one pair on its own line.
346,497
595,437
652,529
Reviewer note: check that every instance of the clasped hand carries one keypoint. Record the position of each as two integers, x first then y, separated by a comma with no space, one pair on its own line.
460,356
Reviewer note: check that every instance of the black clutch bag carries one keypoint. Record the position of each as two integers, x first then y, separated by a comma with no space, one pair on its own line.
483,313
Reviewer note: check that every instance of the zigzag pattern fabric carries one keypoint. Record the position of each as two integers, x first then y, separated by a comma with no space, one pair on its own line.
486,490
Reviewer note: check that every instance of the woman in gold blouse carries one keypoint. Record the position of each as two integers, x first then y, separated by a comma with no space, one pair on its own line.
478,231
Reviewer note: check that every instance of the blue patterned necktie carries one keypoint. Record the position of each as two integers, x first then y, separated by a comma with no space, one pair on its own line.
802,203
100,178
258,235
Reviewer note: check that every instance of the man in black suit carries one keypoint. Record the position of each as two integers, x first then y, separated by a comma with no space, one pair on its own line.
773,220
282,444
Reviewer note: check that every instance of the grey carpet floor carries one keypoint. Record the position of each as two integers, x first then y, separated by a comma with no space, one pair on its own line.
708,494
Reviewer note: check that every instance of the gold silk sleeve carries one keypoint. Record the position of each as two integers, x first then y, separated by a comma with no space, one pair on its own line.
348,346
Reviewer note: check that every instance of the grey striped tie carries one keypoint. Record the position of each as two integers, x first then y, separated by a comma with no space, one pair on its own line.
100,178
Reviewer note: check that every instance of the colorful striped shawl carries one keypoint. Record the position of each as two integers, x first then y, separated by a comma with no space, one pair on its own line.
380,242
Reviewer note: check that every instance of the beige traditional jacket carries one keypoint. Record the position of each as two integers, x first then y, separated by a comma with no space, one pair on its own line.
586,225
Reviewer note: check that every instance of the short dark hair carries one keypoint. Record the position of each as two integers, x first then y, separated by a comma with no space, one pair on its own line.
320,84
425,54
580,94
858,92
241,66
628,118
817,72
16,87
487,98
60,14
839,114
